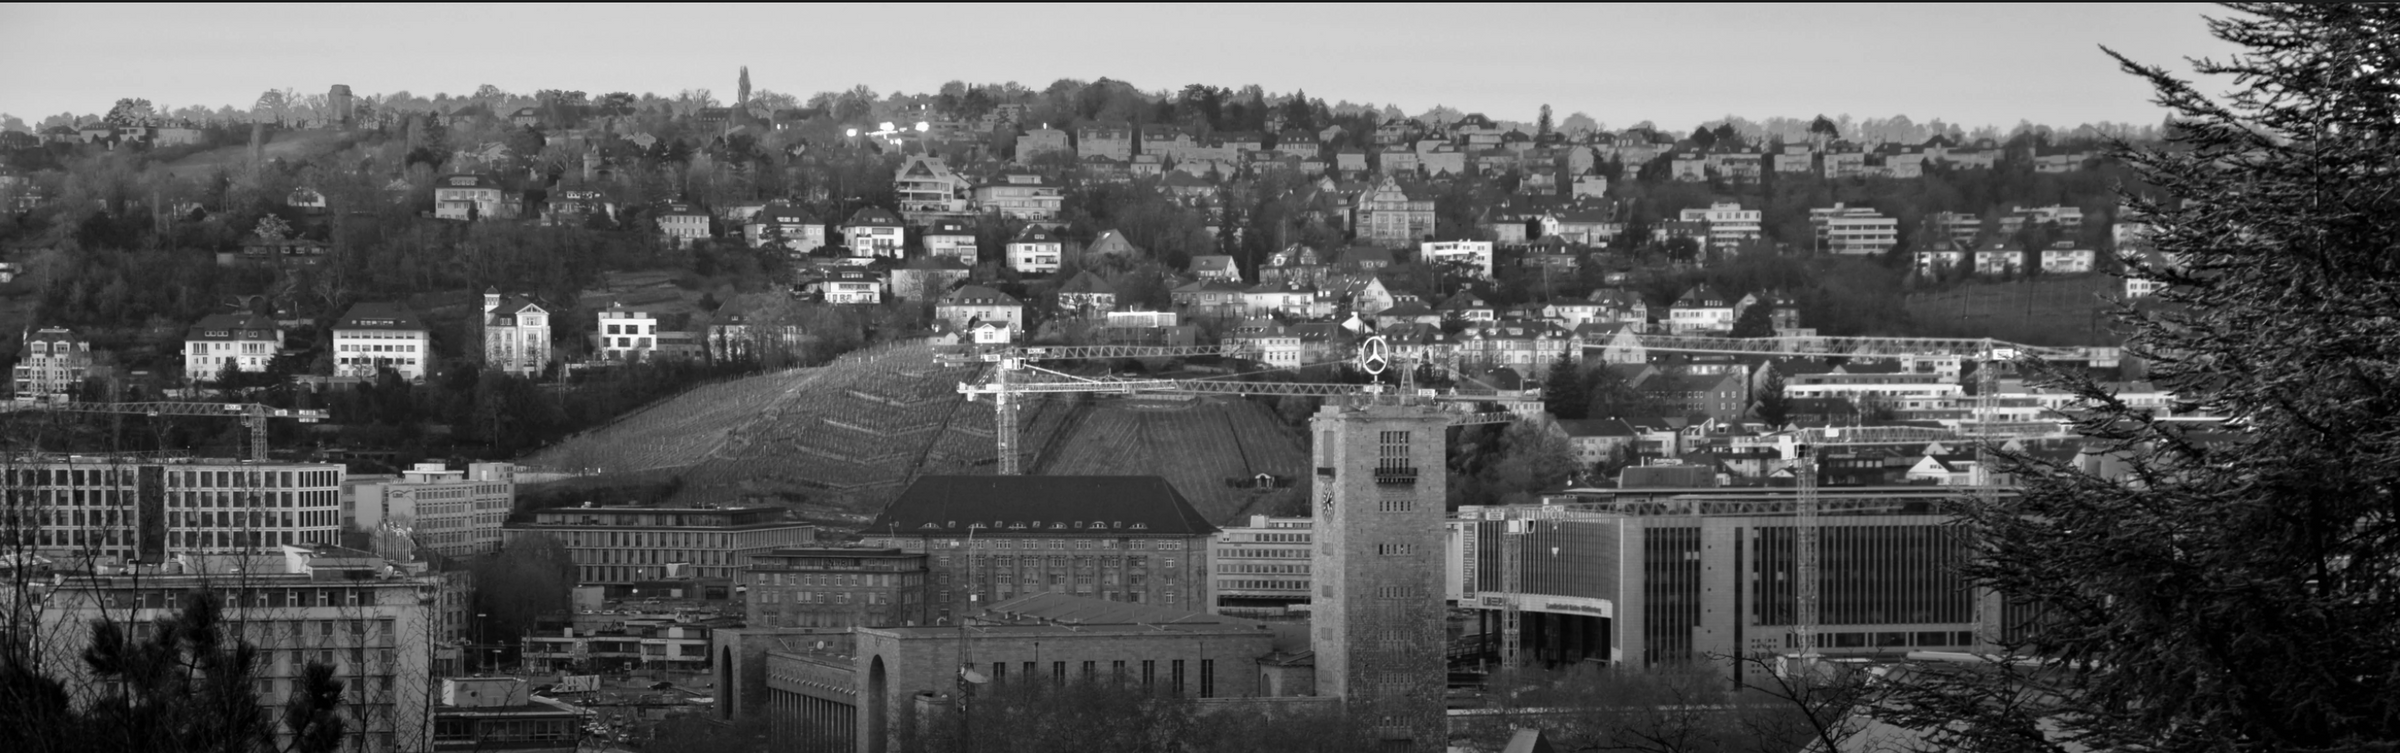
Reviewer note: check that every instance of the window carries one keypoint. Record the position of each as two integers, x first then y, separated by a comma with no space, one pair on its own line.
1176,680
1394,550
1396,505
1149,673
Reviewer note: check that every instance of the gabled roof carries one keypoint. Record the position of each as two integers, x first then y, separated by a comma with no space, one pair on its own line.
380,316
1464,300
873,217
1035,234
1617,297
781,213
1042,505
978,295
1365,255
1407,308
1212,263
948,227
1208,286
1087,282
1112,242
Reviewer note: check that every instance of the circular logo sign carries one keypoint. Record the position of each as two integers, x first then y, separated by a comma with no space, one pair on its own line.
1373,355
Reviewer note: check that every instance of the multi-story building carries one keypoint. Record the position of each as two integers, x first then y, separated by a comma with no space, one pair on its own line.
950,239
875,231
1853,230
54,362
239,342
1114,141
2063,258
837,587
1261,568
1086,294
376,336
468,196
683,223
1022,195
1729,225
1035,142
112,509
783,226
973,304
1115,538
928,190
617,546
1675,575
855,286
625,334
619,645
454,513
1387,214
500,714
516,334
1035,251
1473,255
1959,227
341,608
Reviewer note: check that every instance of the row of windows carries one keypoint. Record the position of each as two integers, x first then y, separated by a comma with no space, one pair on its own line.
1263,569
1268,585
1089,671
1262,554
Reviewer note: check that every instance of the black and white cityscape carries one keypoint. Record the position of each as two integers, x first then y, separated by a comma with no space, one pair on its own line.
1214,379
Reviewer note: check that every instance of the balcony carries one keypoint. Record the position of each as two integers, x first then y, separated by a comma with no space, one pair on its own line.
1395,476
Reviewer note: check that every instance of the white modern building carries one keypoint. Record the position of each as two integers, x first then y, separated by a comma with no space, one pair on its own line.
1728,223
1035,251
1853,231
625,334
377,336
1476,255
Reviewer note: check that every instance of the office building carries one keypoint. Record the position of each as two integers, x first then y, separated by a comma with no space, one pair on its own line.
619,546
1261,569
377,336
837,587
454,513
994,538
115,510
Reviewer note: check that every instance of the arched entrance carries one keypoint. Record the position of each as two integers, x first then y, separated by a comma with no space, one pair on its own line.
878,717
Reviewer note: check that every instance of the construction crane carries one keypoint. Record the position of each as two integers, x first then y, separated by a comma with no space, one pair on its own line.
1013,377
253,415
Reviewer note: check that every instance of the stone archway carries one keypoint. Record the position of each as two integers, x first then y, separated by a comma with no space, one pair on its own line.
878,715
727,696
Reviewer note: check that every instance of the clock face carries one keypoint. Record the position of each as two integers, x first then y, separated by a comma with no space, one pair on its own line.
1325,503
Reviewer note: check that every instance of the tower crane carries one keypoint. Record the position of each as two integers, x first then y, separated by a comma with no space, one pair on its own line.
253,415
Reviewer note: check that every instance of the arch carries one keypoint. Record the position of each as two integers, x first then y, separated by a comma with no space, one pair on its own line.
878,717
727,694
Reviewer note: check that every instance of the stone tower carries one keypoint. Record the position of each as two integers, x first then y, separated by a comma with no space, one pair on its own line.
339,107
1377,619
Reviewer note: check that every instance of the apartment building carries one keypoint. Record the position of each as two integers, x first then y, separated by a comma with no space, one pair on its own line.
618,546
625,334
1729,225
1021,195
516,334
54,361
1853,231
128,509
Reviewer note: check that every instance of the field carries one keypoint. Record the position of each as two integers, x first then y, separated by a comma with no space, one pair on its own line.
2042,311
290,146
838,442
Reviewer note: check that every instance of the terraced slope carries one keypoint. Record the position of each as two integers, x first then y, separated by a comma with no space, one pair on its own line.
840,441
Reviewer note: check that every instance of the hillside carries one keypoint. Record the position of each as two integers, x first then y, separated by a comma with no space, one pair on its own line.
837,442
2040,311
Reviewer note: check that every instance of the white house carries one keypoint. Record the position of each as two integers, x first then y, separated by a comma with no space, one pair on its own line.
973,304
625,334
951,239
1475,255
683,223
875,231
516,334
243,342
1035,251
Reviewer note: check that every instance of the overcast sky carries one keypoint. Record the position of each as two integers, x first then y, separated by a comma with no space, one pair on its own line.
1676,65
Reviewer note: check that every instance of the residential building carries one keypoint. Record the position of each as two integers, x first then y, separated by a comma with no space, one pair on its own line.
1114,538
1599,440
1087,295
1998,262
1261,568
950,239
924,280
1035,251
54,362
454,513
1960,227
1111,243
837,587
622,644
1841,161
1021,195
1215,268
1702,309
118,509
470,196
787,227
619,546
625,334
1724,397
1939,255
735,338
341,608
967,306
1853,231
241,342
683,223
1388,214
1035,142
2138,285
1267,342
375,336
1729,225
927,190
2065,217
1475,256
1796,159
1113,141
852,286
516,334
2063,258
875,231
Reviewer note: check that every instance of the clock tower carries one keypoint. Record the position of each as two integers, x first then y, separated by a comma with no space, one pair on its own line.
1377,612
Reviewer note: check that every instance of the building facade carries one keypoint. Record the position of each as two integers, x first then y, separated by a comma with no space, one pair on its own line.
1377,624
516,334
618,546
106,509
837,587
54,362
455,513
992,538
377,336
1035,251
465,196
1387,214
324,605
1261,569
240,342
625,334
